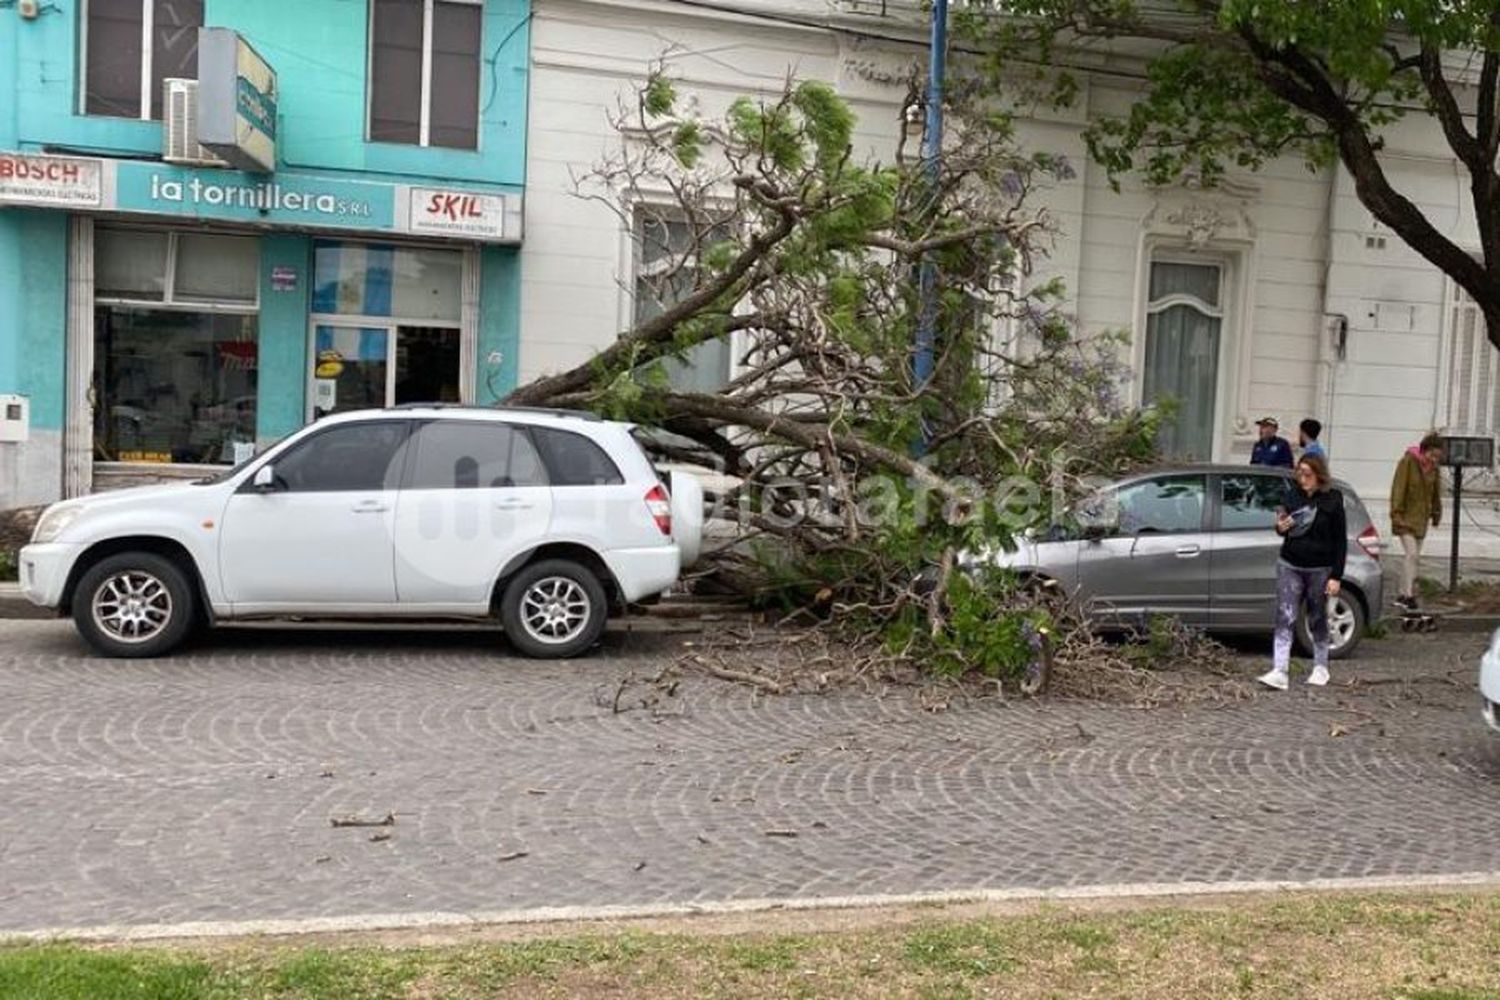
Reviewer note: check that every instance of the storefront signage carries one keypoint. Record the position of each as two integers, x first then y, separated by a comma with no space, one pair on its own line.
236,101
51,180
457,213
303,201
228,194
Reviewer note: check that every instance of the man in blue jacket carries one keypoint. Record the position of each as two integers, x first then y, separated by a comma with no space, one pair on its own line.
1271,449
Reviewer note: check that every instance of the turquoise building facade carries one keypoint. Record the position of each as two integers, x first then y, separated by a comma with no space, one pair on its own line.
162,311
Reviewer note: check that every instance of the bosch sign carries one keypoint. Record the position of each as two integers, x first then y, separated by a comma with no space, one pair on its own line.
50,180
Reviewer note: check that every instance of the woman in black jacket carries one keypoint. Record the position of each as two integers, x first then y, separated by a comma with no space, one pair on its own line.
1314,543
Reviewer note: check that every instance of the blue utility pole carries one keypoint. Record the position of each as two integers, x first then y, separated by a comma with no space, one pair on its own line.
932,152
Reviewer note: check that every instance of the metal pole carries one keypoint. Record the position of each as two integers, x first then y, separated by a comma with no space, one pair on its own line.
1458,496
932,152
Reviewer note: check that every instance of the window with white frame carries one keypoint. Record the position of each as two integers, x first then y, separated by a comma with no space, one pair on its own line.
131,47
664,275
1469,403
424,72
176,345
1184,332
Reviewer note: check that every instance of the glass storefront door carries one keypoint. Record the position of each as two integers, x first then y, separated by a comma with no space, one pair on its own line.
351,367
386,327
364,367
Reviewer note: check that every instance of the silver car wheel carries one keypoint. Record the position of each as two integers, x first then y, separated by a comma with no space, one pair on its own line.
132,606
1342,622
555,610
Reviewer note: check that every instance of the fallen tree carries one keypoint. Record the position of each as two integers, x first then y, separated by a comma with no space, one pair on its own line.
856,487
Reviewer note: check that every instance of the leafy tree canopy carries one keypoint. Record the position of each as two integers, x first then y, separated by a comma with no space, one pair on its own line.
1234,83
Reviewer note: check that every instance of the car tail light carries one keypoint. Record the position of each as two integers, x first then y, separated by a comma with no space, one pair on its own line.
660,506
1369,540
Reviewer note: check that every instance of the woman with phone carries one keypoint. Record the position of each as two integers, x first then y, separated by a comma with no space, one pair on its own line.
1310,568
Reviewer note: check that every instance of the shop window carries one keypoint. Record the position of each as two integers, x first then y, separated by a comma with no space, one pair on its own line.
424,72
131,47
173,386
212,268
359,279
665,273
175,346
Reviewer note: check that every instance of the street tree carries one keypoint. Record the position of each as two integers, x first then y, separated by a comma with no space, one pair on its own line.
769,234
1234,83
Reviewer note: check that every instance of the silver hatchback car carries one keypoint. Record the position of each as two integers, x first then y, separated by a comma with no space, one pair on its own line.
1197,542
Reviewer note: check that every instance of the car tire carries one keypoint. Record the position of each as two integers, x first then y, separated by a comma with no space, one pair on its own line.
554,609
1349,615
135,605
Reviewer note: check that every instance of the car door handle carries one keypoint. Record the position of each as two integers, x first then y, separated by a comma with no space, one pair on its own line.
369,507
514,505
1188,551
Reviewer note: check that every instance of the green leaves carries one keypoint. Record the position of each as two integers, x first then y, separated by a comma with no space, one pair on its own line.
1219,74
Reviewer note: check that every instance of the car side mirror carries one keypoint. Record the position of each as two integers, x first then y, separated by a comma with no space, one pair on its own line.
265,479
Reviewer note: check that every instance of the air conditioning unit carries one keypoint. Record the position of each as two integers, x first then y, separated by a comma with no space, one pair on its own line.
180,126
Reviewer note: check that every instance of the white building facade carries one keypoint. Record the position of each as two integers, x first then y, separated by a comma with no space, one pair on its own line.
1273,293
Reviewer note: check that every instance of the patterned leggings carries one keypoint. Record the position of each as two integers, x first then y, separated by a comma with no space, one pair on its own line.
1294,585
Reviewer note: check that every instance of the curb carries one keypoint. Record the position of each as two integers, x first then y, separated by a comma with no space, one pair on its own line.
555,914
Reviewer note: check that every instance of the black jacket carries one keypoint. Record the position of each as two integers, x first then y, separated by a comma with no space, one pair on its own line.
1325,543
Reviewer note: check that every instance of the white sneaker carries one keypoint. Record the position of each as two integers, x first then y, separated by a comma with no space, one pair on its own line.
1275,678
1318,677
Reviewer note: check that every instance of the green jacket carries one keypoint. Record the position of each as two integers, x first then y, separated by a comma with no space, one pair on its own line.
1416,498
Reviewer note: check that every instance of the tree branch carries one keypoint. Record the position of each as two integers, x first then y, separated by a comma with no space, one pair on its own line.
1446,108
810,435
1293,78
659,329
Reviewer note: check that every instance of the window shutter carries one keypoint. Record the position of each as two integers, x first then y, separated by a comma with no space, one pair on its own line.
1472,401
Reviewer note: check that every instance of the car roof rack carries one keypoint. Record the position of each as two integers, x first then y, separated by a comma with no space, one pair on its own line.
546,411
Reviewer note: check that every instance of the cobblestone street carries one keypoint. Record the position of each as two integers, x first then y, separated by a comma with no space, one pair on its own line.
202,787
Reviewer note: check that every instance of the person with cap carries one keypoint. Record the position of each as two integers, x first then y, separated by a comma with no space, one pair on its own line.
1272,448
1307,436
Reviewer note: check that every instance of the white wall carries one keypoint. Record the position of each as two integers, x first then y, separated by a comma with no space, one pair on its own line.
1301,245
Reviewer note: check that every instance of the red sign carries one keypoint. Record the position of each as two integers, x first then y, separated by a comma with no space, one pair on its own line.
50,180
457,213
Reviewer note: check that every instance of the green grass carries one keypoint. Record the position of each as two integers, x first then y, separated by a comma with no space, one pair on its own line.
10,567
1436,947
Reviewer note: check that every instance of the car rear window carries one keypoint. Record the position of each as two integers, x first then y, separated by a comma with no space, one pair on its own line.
574,460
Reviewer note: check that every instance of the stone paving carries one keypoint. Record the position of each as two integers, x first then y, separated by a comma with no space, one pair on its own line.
201,787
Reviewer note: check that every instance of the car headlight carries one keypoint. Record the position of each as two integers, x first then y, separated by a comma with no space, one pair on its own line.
54,521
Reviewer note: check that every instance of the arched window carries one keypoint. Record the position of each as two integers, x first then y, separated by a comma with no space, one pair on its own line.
1184,327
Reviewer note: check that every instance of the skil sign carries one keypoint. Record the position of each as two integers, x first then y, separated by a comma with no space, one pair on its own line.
457,213
292,199
50,180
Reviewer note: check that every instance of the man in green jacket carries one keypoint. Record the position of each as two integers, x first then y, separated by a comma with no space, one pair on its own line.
1416,502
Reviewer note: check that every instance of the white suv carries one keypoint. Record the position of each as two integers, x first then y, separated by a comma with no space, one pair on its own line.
546,519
